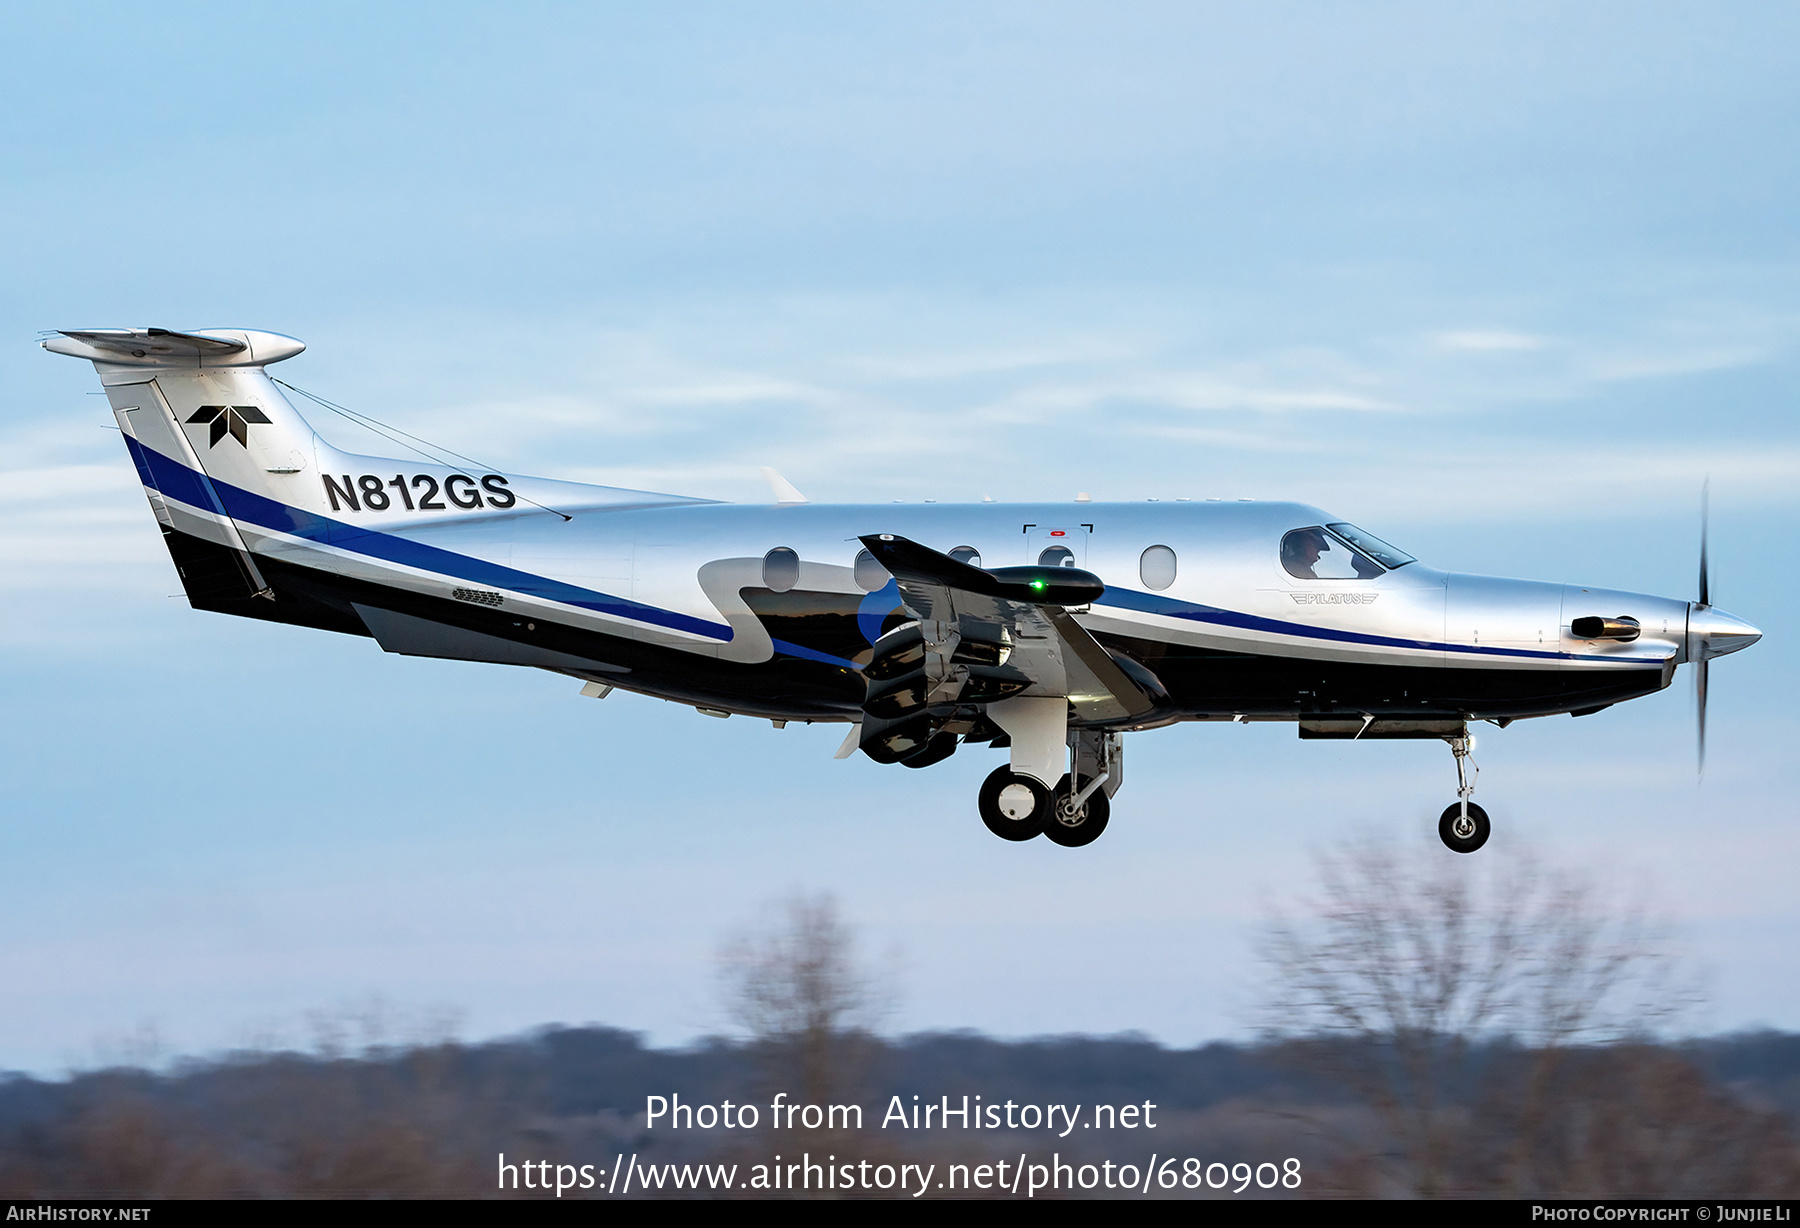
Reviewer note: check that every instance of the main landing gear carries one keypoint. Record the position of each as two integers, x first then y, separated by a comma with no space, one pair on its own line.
1017,805
1464,826
1014,807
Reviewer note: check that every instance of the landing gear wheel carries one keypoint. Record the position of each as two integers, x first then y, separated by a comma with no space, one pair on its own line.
1013,807
1072,827
1464,835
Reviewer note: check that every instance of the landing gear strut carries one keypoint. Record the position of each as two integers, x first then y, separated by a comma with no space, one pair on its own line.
1464,827
1077,816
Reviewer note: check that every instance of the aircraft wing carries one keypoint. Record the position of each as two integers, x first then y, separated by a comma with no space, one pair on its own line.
1027,607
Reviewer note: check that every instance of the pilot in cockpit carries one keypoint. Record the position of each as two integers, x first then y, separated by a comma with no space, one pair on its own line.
1300,552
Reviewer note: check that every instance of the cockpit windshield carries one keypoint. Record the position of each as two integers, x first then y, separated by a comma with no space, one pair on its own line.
1372,546
1338,552
1315,553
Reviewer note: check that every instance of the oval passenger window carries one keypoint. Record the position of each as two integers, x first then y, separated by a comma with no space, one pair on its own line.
967,554
1157,567
869,574
781,569
1057,556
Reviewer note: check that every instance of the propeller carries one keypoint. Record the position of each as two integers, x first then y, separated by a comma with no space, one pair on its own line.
1711,632
1702,658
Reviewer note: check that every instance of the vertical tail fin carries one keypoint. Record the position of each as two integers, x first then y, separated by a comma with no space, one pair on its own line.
197,409
247,492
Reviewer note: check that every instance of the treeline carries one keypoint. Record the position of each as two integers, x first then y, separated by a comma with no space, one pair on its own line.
1708,1117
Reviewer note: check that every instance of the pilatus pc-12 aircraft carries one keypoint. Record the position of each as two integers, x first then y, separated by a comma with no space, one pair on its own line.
1050,630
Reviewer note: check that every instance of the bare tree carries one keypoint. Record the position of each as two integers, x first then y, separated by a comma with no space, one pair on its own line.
1449,997
796,985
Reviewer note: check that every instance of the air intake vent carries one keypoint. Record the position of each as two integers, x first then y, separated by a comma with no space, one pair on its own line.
1620,628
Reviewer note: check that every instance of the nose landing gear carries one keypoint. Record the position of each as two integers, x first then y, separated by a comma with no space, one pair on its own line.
1464,827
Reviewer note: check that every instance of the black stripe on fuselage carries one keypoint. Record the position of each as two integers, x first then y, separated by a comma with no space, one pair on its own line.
1208,682
1201,682
785,688
214,580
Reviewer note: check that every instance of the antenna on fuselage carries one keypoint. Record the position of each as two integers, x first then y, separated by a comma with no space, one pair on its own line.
783,490
389,432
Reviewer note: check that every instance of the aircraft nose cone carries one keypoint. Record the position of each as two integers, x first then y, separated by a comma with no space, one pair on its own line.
1719,633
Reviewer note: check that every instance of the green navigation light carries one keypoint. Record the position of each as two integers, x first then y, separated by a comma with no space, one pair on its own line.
1038,585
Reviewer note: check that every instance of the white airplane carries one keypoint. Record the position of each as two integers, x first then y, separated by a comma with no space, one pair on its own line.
1049,630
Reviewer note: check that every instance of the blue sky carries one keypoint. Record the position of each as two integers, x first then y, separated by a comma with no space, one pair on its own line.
1502,283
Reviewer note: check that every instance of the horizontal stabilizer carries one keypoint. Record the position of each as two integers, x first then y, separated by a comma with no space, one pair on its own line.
162,347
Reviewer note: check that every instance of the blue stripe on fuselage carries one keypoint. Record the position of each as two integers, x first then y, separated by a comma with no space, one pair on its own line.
174,479
811,654
179,482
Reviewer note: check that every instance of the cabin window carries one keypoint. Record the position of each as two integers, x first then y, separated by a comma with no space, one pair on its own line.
1156,568
1315,553
967,554
781,569
869,574
1057,556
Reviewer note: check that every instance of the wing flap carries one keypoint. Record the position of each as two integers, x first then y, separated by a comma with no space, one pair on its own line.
1098,688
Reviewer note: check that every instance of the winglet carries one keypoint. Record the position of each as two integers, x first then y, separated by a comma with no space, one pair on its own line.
783,489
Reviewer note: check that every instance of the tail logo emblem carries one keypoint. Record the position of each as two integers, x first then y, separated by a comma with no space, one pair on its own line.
232,419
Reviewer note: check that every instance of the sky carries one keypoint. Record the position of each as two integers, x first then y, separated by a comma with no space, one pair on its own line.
1503,283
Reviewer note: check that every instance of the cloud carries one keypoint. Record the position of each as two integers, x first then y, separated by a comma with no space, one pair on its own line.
1479,340
957,365
1188,390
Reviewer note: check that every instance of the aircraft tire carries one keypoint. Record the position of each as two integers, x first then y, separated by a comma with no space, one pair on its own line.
1000,809
1072,830
1464,843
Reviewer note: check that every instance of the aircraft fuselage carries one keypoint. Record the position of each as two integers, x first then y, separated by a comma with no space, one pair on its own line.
1051,628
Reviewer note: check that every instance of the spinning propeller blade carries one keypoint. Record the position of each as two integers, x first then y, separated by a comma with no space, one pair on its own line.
1701,659
1705,583
1700,669
1710,633
1703,663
